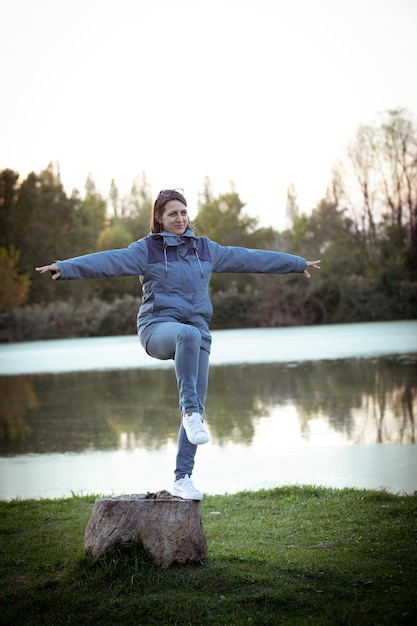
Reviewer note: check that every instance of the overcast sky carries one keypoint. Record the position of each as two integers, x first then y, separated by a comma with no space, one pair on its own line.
261,92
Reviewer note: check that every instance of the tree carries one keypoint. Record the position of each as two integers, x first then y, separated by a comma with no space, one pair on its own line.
292,209
113,236
137,207
14,287
377,183
398,149
42,219
328,233
46,226
114,199
94,210
9,185
223,220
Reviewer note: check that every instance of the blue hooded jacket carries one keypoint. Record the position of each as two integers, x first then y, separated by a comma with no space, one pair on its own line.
175,273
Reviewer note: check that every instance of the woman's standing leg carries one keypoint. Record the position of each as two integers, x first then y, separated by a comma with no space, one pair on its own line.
170,340
186,451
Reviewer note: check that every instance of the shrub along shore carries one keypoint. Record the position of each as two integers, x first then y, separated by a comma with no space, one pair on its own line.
291,555
251,309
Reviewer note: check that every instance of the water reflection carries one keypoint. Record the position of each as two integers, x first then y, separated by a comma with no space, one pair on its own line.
359,401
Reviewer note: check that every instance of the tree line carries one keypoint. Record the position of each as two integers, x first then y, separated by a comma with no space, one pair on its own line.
364,229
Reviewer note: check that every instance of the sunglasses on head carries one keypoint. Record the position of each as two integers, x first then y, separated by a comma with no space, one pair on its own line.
167,193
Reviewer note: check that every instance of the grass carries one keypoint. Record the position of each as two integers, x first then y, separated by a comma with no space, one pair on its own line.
292,555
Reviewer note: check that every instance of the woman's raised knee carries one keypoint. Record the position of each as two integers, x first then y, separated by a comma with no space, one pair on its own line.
190,335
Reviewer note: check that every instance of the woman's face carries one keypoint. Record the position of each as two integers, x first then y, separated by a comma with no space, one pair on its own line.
175,217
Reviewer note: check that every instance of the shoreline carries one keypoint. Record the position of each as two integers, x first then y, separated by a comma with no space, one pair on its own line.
230,347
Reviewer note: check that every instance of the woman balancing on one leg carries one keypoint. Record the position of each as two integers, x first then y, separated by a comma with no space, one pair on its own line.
175,268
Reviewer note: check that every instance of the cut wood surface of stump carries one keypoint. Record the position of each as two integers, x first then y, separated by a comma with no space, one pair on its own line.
167,527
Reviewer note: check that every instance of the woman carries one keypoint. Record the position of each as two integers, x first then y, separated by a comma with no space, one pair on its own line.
175,269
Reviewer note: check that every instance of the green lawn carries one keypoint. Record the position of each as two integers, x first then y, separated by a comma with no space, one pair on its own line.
293,555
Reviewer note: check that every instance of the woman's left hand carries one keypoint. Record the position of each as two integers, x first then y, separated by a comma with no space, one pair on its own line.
314,264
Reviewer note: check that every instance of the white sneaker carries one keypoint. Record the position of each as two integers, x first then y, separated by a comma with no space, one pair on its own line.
184,488
195,429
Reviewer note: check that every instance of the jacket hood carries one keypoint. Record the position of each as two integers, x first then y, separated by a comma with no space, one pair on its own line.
172,240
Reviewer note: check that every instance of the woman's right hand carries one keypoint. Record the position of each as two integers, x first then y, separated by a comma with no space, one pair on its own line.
53,268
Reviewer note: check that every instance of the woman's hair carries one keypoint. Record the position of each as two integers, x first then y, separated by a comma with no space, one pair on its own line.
164,196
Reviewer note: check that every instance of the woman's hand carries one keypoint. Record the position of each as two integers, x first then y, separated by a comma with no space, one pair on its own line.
53,268
314,264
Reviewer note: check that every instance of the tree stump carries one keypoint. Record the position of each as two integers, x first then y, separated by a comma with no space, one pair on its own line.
168,528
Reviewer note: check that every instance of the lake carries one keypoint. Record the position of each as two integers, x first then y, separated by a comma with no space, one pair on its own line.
329,405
